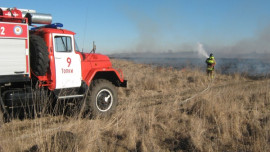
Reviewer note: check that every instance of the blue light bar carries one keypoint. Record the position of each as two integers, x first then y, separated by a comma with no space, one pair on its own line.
54,25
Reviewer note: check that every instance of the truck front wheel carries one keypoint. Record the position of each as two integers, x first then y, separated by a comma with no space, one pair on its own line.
102,98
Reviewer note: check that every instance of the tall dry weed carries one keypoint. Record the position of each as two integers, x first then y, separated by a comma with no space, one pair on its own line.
227,113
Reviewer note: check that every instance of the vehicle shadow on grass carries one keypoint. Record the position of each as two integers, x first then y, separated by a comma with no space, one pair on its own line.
66,108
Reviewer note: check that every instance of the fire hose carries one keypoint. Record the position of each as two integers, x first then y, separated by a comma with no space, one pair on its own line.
195,95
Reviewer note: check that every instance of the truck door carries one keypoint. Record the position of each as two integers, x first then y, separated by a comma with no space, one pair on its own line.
67,62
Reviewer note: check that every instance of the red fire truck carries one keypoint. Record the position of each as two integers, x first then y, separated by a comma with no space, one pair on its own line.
46,57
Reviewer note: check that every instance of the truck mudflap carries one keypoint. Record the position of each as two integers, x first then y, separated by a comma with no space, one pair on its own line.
121,77
123,84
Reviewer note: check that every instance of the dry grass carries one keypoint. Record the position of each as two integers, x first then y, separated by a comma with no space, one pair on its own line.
232,115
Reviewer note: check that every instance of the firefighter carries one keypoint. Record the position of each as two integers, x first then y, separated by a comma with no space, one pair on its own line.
211,62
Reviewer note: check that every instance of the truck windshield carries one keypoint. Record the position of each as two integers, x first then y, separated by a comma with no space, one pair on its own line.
63,44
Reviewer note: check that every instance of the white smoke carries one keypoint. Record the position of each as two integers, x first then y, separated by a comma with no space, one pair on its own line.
201,51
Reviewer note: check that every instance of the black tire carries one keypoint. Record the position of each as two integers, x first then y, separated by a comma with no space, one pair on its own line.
102,98
39,60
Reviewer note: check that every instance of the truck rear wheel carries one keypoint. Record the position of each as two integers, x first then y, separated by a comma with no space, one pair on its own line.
102,98
39,60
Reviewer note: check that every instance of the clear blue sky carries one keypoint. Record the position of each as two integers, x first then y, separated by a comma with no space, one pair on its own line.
149,25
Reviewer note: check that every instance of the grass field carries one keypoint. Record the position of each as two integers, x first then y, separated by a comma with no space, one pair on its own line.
163,109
